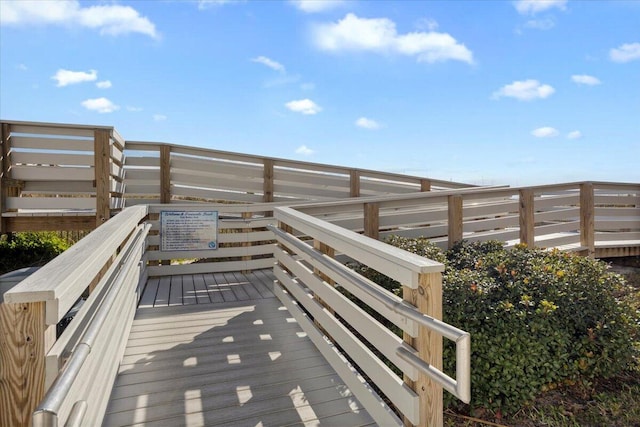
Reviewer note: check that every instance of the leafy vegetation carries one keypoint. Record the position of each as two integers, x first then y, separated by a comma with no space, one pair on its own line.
539,320
29,249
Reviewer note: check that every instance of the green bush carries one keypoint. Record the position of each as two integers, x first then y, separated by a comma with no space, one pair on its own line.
29,249
537,319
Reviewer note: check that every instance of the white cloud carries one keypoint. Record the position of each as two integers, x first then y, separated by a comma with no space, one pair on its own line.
366,123
274,65
135,109
159,117
111,19
101,105
583,79
314,6
67,77
105,84
625,53
304,106
304,150
540,24
525,90
531,7
428,24
545,132
576,134
380,35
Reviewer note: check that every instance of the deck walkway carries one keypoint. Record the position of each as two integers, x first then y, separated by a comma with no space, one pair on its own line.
220,349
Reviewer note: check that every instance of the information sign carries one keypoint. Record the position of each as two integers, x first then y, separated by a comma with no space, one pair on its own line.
188,230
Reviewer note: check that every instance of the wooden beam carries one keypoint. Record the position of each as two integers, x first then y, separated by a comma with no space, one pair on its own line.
427,298
587,221
267,182
165,174
25,340
16,224
527,220
425,185
455,218
102,155
354,183
372,220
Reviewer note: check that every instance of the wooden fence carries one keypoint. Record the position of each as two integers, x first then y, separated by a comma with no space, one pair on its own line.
595,218
73,177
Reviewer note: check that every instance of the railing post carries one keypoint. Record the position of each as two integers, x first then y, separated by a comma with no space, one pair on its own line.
454,219
25,340
102,154
267,181
527,219
425,185
165,174
428,300
354,183
587,218
371,220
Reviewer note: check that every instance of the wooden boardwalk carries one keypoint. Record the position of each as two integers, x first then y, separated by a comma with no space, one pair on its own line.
219,349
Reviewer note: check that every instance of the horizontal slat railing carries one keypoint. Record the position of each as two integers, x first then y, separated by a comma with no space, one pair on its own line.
310,278
103,326
573,216
189,173
34,307
63,169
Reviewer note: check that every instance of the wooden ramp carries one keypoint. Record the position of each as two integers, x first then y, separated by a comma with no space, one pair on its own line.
232,356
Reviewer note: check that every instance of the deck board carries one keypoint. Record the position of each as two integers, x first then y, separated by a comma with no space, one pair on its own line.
236,357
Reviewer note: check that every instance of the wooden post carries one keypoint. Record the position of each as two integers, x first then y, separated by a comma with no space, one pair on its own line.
425,185
25,340
267,182
428,299
246,244
165,174
372,220
527,218
587,218
327,250
102,155
454,219
354,183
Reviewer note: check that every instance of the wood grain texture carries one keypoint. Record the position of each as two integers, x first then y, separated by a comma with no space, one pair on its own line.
527,219
102,153
24,342
455,219
587,218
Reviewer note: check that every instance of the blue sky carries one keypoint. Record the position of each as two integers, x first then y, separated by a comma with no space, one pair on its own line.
505,92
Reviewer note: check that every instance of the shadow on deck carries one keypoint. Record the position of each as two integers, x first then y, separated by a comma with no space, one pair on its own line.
222,350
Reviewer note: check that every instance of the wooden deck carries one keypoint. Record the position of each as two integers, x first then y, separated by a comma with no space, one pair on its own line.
220,349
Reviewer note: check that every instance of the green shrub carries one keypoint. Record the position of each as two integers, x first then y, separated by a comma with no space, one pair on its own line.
29,249
536,318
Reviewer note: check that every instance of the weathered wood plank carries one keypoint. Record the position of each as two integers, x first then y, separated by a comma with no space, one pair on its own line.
175,294
200,287
149,295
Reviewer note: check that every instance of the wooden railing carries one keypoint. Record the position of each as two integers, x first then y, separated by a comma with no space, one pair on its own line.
309,284
595,218
106,267
59,177
164,173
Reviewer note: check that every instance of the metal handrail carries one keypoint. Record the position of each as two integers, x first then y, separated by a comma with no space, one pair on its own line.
459,387
46,414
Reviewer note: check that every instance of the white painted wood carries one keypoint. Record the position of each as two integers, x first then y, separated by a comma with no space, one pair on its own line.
210,167
140,176
219,253
553,201
65,278
625,212
384,378
221,182
498,208
52,173
393,262
51,158
19,126
491,224
379,336
376,407
167,270
51,203
60,144
53,187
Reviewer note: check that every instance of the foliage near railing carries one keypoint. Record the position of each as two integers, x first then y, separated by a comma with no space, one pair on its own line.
539,319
